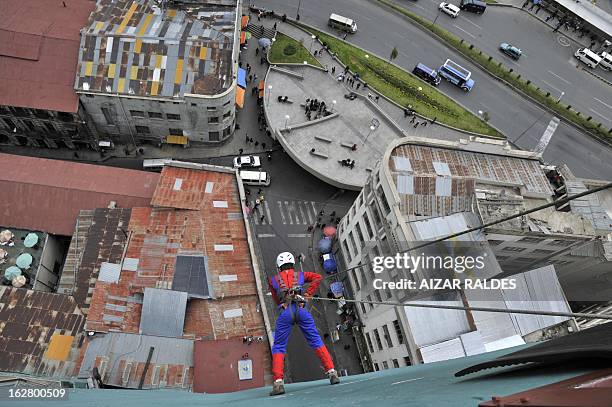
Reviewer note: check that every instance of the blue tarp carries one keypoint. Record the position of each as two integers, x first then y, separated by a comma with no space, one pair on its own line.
329,263
337,289
325,245
242,77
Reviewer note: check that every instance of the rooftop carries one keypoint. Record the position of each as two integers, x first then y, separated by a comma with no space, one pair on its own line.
39,43
47,195
133,47
19,249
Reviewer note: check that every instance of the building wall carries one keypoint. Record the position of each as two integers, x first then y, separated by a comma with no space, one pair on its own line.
45,128
47,275
131,120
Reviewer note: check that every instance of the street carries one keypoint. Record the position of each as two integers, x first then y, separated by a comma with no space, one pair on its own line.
380,30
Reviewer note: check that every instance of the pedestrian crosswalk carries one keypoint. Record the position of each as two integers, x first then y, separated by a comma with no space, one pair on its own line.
289,212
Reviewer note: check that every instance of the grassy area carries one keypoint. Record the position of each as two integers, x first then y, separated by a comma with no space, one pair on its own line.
497,68
403,88
286,50
490,1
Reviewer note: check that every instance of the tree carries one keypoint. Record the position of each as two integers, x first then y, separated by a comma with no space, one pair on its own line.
393,54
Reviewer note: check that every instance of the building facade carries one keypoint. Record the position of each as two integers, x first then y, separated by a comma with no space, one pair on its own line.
151,75
424,189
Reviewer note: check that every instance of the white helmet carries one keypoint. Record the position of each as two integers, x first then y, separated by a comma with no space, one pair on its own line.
284,258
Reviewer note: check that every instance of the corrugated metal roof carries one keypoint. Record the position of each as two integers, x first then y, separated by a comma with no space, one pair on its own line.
589,206
39,45
133,47
163,312
52,192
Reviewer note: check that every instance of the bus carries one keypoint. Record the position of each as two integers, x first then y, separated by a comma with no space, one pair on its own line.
457,75
342,23
255,177
155,164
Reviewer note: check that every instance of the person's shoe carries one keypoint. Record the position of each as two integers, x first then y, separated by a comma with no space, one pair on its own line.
333,376
278,388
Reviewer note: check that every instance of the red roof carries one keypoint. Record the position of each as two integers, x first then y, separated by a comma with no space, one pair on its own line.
47,195
39,47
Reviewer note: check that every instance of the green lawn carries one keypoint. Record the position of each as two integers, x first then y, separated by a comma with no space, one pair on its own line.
497,68
403,88
286,50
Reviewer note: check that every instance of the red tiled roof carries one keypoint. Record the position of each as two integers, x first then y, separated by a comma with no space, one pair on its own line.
47,195
39,46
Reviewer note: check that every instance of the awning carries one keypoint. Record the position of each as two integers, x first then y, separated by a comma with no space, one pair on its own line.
242,37
240,97
173,139
261,88
244,22
241,77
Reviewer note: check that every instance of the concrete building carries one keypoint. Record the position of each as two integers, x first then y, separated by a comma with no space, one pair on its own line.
39,44
153,74
423,189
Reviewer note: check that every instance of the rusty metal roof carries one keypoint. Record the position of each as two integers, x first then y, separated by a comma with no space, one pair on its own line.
440,180
39,44
47,195
40,332
133,47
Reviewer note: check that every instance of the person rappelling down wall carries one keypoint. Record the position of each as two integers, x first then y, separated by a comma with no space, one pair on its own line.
287,289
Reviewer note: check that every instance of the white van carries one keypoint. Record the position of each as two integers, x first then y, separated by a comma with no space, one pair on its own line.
255,177
342,23
588,57
606,60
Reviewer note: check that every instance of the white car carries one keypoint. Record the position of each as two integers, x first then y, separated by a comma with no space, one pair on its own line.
247,161
449,9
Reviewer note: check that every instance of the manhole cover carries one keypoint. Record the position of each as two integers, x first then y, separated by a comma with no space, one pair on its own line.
563,41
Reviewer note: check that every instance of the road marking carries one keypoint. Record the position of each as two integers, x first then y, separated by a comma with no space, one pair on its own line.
300,207
268,216
356,381
563,41
314,210
599,114
291,213
299,235
475,25
261,235
421,7
459,28
404,381
280,209
603,103
564,80
555,88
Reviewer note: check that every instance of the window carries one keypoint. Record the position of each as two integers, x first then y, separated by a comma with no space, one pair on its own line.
388,292
107,115
378,341
495,242
155,115
137,113
357,286
363,308
227,103
364,278
213,135
560,243
359,234
213,119
385,365
50,127
523,259
369,341
176,132
9,123
398,332
227,114
376,367
514,249
383,200
346,250
395,363
407,361
377,220
175,103
143,130
377,295
194,105
530,240
172,116
211,108
387,336
227,131
353,244
369,299
542,251
368,226
89,95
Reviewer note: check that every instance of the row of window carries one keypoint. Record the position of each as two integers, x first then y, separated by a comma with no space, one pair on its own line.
212,135
173,116
386,335
394,362
15,126
208,108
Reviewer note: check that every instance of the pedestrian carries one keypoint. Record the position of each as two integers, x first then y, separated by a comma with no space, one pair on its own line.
251,139
263,145
424,123
416,124
538,9
246,135
263,217
532,6
358,85
323,226
255,77
309,228
333,70
257,51
256,143
377,97
346,69
250,78
321,212
240,151
247,191
274,26
548,18
434,119
345,35
525,4
259,191
412,119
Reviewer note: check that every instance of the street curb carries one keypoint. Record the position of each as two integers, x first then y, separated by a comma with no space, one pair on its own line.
302,25
518,91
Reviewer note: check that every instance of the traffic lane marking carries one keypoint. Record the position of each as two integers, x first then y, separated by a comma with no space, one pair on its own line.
300,235
459,28
603,103
600,115
564,80
555,88
474,24
266,235
405,381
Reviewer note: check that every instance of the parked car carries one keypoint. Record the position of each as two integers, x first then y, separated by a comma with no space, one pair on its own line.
475,6
510,50
449,9
587,57
606,60
427,74
247,161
